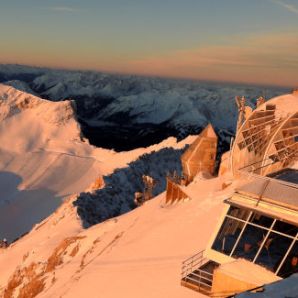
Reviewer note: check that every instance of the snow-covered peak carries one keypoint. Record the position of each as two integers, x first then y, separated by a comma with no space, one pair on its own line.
29,121
14,101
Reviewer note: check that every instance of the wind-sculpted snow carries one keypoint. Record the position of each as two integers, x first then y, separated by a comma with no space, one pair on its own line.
117,197
113,109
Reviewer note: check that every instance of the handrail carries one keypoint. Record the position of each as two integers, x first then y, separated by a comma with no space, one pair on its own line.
192,263
200,253
191,272
204,271
200,282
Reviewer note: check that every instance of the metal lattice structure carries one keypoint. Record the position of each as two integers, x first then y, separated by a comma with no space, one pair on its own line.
267,140
283,148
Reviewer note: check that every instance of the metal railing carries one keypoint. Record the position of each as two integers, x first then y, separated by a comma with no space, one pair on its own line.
191,273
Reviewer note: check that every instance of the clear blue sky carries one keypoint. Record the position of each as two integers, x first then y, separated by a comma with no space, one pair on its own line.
244,40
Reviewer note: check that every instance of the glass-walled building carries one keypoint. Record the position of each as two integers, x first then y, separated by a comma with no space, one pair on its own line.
256,241
259,238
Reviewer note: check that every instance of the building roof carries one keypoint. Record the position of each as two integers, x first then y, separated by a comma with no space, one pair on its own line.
197,157
247,271
275,191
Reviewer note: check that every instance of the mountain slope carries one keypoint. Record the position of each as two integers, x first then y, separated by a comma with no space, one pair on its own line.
44,159
138,254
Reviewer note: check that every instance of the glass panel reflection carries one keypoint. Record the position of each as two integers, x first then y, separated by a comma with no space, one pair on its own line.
285,228
273,251
239,213
261,220
290,265
227,236
250,242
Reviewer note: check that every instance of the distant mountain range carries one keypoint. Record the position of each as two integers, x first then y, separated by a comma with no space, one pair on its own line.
124,112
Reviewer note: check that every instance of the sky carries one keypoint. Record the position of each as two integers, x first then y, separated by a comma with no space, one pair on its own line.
251,41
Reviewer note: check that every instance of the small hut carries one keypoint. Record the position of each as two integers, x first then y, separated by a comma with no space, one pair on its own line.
201,155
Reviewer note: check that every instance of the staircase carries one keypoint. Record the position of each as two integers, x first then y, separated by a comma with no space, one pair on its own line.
197,273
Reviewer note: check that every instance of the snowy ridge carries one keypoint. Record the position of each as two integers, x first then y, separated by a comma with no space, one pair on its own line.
13,101
44,160
39,120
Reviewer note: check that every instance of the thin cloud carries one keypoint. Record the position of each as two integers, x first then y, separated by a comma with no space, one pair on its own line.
67,9
280,50
266,58
287,6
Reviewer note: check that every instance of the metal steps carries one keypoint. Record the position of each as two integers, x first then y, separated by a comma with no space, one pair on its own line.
197,273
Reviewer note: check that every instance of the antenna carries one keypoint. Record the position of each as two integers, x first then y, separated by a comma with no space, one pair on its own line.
264,95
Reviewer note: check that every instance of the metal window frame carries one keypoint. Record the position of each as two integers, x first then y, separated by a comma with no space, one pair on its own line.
261,227
269,230
240,235
264,241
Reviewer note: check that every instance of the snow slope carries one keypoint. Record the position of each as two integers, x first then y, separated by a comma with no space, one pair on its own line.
138,254
44,159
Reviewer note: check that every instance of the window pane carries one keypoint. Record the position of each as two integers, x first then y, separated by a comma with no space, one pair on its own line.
239,213
290,265
227,235
261,220
249,243
285,228
273,251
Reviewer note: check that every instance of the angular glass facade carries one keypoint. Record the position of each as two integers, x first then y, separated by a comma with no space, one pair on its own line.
260,239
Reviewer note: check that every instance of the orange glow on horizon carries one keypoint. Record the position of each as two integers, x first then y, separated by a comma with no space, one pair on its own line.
250,60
